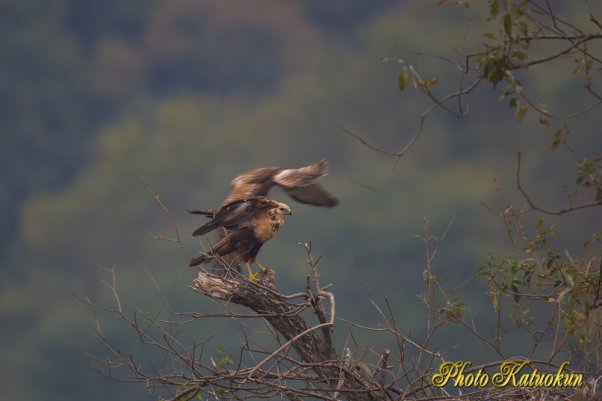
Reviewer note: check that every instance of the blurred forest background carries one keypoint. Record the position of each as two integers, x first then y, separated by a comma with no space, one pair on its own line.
99,97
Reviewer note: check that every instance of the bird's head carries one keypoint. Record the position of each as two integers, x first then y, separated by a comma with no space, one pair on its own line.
283,209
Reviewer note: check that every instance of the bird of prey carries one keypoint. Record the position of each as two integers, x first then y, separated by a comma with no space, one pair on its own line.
248,224
299,183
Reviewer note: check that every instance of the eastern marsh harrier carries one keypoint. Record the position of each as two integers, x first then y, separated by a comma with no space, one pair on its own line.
248,224
248,218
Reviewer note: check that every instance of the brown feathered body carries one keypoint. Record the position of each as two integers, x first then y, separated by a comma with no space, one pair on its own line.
247,225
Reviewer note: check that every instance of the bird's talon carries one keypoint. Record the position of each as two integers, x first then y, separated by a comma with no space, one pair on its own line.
253,277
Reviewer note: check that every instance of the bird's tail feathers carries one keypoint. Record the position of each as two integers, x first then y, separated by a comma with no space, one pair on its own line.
202,258
207,213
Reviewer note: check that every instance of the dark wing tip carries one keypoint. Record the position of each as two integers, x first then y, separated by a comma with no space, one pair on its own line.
312,195
331,202
324,166
205,228
328,201
197,261
199,231
318,169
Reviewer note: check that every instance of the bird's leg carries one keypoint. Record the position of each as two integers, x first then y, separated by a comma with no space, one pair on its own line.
265,270
252,276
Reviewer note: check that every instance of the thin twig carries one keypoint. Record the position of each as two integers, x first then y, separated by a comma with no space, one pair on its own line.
540,209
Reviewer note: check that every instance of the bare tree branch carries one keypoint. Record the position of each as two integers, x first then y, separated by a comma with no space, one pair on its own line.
540,209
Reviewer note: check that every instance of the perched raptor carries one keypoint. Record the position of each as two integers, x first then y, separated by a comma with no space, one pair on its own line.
299,183
248,224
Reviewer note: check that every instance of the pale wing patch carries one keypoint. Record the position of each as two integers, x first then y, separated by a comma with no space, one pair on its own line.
300,177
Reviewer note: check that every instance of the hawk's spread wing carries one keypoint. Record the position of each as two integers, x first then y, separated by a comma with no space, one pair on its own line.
299,183
251,183
312,194
301,177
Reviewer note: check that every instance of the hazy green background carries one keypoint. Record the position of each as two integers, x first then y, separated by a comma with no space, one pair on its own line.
187,94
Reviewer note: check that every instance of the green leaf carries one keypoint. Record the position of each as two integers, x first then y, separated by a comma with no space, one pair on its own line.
431,82
494,9
403,80
223,361
519,55
520,112
559,137
508,24
515,293
494,69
